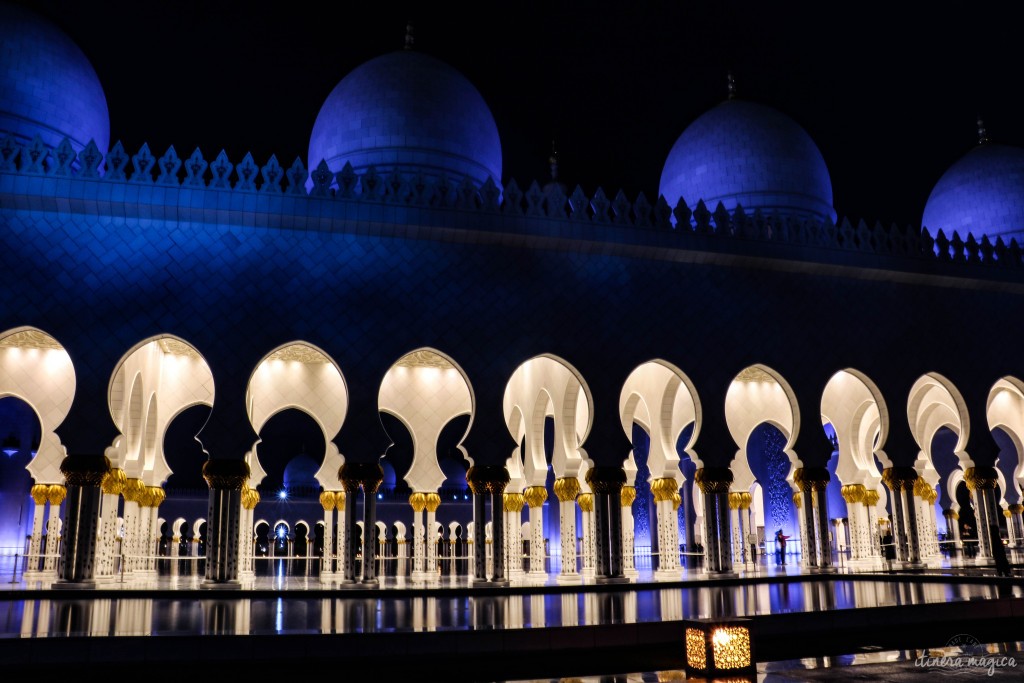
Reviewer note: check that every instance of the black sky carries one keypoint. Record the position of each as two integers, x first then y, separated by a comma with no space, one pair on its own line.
889,94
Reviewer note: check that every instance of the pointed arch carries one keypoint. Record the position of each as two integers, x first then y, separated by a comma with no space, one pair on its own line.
935,402
855,408
1005,410
759,394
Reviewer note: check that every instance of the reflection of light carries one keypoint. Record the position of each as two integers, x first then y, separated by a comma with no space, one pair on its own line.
282,494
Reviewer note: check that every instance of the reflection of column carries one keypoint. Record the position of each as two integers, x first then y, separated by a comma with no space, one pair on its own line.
418,501
535,497
566,490
714,483
671,604
664,491
35,544
586,504
626,499
327,563
225,479
982,482
83,475
55,494
431,502
112,486
513,503
570,609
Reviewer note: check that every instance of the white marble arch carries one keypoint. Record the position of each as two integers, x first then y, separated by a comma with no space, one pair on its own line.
547,386
425,390
934,403
1005,410
301,376
178,527
36,369
154,382
660,398
759,394
855,408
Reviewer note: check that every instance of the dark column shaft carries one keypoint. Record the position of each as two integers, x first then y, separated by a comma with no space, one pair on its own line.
479,537
349,549
369,537
78,546
498,534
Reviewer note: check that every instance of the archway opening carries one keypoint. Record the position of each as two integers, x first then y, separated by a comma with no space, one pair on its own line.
20,432
771,466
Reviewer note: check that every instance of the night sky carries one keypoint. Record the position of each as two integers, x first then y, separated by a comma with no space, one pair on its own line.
891,99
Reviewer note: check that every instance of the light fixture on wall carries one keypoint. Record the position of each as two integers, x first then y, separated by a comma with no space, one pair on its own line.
282,494
11,445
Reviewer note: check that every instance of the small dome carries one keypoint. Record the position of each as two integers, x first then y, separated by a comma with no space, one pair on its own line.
47,85
981,194
752,155
411,112
300,473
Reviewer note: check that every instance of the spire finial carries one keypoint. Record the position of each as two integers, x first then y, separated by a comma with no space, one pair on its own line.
731,85
982,133
409,37
553,160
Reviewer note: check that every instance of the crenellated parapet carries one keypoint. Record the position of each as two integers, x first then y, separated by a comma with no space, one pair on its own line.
697,228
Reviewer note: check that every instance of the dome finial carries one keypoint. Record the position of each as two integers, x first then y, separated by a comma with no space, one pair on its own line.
982,133
731,85
409,37
553,160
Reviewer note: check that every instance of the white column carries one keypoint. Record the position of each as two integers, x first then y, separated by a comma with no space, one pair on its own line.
535,497
566,490
107,541
154,539
432,540
327,563
55,495
806,535
418,502
35,544
586,504
664,491
738,541
626,499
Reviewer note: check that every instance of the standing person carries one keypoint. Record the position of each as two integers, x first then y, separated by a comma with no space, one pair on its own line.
780,540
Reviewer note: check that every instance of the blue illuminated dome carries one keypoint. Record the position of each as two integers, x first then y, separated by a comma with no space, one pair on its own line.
981,194
47,85
411,112
300,473
752,155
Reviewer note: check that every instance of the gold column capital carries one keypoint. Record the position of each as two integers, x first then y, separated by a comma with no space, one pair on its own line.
797,500
627,496
677,500
431,501
1007,513
39,492
55,493
155,496
871,497
513,502
114,481
327,501
713,479
133,490
981,478
586,502
418,501
535,496
1017,508
811,478
854,493
567,488
663,488
922,489
734,500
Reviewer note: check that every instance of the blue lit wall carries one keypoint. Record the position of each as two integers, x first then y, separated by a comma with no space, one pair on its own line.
749,154
981,194
412,112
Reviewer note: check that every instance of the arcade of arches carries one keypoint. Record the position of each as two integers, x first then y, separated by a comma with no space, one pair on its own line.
548,514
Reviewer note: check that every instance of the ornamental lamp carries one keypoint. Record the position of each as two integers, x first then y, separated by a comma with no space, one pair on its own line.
719,650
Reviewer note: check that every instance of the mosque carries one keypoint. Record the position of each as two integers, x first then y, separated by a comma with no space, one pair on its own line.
557,385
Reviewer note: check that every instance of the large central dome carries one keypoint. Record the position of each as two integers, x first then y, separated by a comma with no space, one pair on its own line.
47,85
409,112
748,154
982,194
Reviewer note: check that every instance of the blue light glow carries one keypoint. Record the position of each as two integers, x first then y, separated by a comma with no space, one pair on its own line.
282,494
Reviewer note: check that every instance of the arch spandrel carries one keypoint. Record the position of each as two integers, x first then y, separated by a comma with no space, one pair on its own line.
35,368
425,390
300,376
